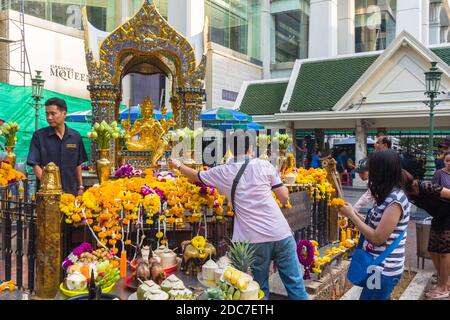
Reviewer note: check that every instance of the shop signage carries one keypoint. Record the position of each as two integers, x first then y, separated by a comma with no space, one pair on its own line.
67,73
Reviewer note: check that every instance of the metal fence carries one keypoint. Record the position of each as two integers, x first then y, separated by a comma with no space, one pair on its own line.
18,234
316,226
18,231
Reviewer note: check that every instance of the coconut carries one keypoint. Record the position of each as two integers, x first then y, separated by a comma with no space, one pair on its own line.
251,293
208,270
147,286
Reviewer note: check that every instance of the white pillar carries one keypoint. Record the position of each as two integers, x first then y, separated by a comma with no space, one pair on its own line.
360,149
125,10
323,35
188,18
346,27
266,43
409,17
425,21
290,130
435,22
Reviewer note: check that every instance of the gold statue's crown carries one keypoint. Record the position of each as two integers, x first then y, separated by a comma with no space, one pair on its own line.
147,106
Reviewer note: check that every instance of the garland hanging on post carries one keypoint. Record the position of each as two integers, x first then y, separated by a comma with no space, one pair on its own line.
307,260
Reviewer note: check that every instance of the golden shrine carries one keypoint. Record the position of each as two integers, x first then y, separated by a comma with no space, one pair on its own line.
146,135
145,44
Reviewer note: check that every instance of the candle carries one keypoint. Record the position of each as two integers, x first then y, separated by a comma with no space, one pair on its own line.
123,264
343,236
349,233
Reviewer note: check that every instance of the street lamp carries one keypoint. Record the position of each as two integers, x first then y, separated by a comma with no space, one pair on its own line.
37,84
432,82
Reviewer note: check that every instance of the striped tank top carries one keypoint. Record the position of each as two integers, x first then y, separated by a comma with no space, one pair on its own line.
393,265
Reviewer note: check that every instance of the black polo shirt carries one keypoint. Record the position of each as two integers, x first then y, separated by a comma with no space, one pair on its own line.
67,153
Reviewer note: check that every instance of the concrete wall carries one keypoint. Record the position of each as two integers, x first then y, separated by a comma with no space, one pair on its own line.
409,17
227,70
56,50
4,54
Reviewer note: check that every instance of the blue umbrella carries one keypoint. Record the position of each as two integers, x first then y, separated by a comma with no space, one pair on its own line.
351,141
80,116
135,113
242,116
224,114
232,126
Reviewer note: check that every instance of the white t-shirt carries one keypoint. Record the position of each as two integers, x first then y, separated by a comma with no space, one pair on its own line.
257,216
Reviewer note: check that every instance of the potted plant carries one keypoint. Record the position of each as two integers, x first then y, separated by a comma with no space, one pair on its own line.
188,137
283,141
102,133
9,131
263,142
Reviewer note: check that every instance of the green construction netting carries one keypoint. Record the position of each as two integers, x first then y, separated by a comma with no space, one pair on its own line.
16,105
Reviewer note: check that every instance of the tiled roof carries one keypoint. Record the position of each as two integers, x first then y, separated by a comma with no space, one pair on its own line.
320,84
263,98
318,87
443,53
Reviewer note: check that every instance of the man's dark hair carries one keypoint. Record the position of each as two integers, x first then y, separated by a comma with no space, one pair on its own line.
385,173
387,141
59,103
242,141
362,166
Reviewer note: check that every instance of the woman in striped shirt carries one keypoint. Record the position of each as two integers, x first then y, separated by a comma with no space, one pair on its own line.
386,221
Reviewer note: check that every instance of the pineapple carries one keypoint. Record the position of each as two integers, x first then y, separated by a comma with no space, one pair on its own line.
242,255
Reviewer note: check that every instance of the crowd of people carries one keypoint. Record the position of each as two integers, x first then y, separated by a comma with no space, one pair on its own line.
249,183
391,188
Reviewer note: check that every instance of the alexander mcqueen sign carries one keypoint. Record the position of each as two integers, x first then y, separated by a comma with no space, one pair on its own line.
67,73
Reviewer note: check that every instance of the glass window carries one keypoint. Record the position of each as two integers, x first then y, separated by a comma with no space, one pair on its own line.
160,4
235,24
147,85
33,8
290,30
374,24
68,12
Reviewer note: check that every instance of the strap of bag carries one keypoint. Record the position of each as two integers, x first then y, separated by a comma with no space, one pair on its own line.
361,236
237,178
389,250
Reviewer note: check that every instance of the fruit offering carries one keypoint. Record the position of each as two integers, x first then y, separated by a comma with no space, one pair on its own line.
228,292
108,277
236,278
149,290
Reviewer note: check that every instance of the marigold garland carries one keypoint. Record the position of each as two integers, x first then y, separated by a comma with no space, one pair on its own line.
9,175
114,205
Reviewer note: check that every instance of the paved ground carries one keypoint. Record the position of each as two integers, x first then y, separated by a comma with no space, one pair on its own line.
352,195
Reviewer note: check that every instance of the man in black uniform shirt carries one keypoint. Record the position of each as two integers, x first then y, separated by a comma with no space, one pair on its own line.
58,144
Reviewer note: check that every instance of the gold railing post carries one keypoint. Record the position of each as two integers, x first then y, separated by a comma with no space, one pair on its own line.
49,233
329,164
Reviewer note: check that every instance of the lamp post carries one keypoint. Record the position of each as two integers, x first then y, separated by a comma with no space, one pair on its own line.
37,84
432,81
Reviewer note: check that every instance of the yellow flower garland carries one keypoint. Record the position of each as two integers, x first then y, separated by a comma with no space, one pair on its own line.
104,204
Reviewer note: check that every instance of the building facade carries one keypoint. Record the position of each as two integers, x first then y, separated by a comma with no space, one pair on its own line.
247,39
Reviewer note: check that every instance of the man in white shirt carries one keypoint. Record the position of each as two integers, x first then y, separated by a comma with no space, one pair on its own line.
258,219
366,200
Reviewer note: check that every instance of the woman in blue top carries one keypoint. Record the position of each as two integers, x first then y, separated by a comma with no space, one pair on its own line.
387,220
315,161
